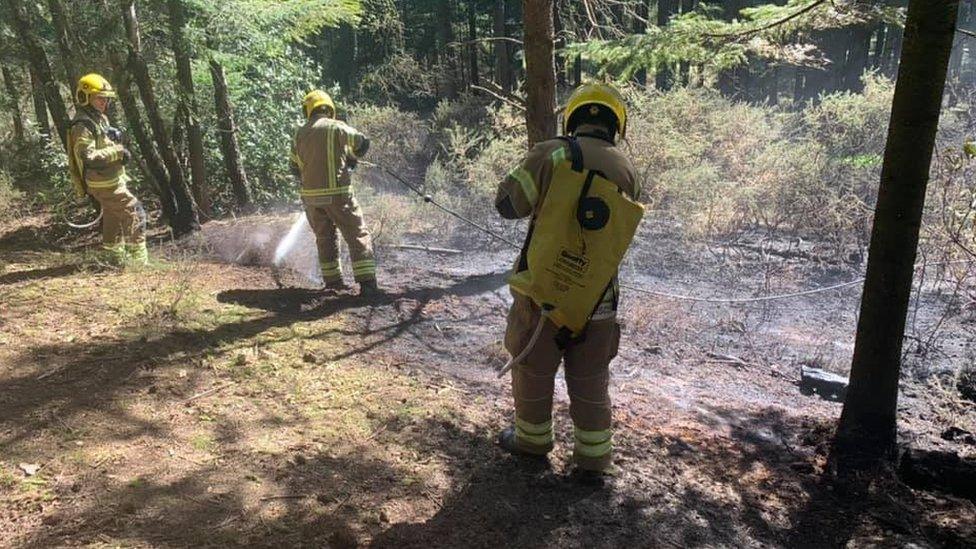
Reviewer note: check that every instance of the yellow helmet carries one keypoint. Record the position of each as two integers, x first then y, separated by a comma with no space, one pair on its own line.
596,94
316,99
93,85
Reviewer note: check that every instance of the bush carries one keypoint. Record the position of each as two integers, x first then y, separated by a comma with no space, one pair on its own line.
9,197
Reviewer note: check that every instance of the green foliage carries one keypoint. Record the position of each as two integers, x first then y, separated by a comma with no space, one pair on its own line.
771,32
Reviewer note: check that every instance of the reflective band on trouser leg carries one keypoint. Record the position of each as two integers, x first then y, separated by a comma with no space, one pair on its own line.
534,437
364,269
592,448
114,253
137,253
331,270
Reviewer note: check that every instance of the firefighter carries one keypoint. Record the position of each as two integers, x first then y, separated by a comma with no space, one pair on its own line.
567,170
325,152
96,164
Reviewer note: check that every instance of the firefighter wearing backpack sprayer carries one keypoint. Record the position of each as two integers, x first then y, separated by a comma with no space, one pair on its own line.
581,193
96,164
325,152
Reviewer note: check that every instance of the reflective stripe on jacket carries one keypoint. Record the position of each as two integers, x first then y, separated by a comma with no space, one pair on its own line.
322,150
95,161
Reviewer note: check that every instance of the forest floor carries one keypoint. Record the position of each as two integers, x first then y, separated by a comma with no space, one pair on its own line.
196,403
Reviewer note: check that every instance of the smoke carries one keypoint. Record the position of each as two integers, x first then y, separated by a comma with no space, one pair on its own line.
281,243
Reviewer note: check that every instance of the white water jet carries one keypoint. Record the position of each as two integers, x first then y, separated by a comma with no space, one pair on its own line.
291,237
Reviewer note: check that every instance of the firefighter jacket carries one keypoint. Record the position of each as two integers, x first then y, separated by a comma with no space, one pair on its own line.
94,160
522,192
325,151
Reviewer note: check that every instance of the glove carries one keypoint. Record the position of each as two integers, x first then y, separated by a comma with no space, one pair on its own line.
114,134
126,156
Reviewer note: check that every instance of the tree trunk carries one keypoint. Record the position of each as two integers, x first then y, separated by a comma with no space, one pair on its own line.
21,21
640,27
473,47
153,163
857,57
186,219
665,9
540,70
560,43
60,21
503,62
684,67
446,30
13,99
184,74
867,428
228,137
880,43
897,38
41,118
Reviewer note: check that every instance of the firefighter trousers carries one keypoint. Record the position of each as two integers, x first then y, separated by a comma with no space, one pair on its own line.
331,215
123,223
587,368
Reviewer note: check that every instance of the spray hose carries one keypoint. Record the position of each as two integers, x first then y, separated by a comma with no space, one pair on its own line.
666,295
87,225
430,200
528,348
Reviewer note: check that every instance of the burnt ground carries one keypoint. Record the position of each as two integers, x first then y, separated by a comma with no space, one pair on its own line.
197,403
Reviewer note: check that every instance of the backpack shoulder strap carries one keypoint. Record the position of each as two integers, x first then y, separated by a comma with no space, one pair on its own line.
575,152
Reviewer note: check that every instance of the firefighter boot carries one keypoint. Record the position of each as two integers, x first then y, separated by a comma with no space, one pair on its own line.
368,288
508,440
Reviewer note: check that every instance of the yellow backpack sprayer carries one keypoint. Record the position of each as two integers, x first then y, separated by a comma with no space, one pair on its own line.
588,225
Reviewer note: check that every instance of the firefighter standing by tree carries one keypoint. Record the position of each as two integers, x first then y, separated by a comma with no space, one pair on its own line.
325,152
96,163
580,191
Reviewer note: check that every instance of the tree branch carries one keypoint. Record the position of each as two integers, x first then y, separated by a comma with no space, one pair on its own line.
783,21
511,100
484,39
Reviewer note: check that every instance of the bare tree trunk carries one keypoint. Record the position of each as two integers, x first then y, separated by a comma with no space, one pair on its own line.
41,118
473,45
866,433
503,62
228,137
184,73
186,219
60,21
640,27
665,9
446,31
858,57
39,62
13,98
540,68
150,157
880,43
559,30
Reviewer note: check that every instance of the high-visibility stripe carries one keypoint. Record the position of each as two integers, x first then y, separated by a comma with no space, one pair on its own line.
558,155
109,184
345,189
593,444
367,266
330,161
330,268
528,184
539,434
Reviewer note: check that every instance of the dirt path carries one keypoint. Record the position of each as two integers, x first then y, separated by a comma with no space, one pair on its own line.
197,404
